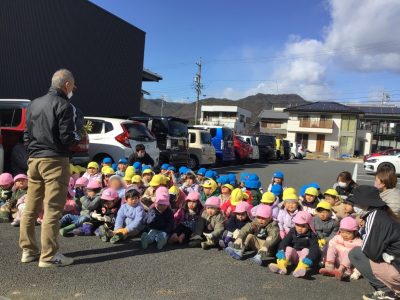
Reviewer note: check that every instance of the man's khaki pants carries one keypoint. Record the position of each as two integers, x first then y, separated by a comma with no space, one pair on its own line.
47,188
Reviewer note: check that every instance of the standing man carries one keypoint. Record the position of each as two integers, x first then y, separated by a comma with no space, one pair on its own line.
49,131
140,155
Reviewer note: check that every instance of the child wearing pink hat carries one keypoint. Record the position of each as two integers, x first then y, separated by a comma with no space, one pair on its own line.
239,218
80,188
89,203
20,188
104,216
159,221
186,218
261,235
210,225
6,184
300,246
337,259
71,206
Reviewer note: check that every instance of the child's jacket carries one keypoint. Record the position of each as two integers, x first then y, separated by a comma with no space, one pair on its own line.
132,217
159,221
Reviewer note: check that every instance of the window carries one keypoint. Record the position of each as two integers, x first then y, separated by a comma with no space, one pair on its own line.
207,115
349,123
138,132
10,117
205,138
213,132
302,139
108,127
228,115
346,144
227,134
96,125
192,137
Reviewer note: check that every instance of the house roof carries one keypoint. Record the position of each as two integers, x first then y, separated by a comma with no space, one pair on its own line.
273,114
324,106
379,110
148,75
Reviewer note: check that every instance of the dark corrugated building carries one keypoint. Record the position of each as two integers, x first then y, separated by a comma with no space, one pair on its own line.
104,52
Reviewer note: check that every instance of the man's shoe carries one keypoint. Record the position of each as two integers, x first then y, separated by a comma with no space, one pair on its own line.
15,223
27,257
381,295
58,260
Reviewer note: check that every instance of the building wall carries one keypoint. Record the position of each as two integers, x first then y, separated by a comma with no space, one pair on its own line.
104,53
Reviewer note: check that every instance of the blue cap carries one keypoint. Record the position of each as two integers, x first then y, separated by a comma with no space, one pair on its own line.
146,167
232,178
252,182
303,189
278,174
137,165
243,176
210,174
164,166
223,179
114,166
107,160
123,161
182,170
277,189
202,171
188,171
171,168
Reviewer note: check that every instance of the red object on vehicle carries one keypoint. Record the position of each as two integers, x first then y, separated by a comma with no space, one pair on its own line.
123,138
380,153
242,149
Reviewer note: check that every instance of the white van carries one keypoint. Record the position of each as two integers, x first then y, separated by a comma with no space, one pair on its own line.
251,140
117,138
201,150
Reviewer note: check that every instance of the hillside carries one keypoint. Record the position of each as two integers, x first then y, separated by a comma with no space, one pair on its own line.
255,104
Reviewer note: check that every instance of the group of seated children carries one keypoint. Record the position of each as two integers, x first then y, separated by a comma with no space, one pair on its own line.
202,209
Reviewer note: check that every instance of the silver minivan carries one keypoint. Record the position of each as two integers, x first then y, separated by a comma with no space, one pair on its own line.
201,150
251,140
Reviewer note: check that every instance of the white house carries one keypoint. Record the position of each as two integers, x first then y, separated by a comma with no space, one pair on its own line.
234,117
319,126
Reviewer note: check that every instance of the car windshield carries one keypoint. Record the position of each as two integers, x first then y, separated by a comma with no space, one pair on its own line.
205,137
177,129
138,132
265,140
10,116
227,133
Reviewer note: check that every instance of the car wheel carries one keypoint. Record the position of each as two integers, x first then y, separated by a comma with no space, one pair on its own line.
99,157
386,166
193,162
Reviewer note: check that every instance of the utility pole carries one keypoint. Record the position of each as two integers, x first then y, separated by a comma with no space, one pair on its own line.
385,98
198,86
162,104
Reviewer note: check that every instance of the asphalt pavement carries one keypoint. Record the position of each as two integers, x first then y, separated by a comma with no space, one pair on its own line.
125,271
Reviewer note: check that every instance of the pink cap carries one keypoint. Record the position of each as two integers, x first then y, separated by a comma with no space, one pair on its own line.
20,176
93,185
71,185
303,217
349,224
264,211
83,181
193,196
213,202
162,196
242,207
6,179
109,194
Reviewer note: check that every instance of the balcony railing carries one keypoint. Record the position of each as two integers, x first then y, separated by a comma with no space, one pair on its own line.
317,123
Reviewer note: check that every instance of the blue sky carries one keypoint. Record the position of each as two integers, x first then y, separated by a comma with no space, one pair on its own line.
322,50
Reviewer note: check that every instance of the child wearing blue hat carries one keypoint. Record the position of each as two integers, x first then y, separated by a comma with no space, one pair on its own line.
164,168
121,168
201,175
253,185
277,178
138,167
107,161
211,174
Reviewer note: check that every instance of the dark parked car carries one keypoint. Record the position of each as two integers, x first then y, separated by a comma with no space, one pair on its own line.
172,138
267,147
286,149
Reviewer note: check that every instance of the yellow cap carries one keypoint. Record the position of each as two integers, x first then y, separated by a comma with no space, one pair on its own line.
174,190
268,198
311,191
290,197
290,191
331,192
229,186
324,205
136,179
106,170
210,183
129,172
237,196
147,171
158,180
93,164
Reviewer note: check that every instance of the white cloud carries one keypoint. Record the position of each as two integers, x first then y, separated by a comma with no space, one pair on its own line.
363,36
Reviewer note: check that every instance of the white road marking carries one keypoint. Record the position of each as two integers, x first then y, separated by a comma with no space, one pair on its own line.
355,172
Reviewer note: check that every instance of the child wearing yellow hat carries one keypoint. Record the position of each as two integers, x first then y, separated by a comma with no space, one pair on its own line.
226,191
325,226
147,175
338,208
137,183
310,201
288,211
229,206
209,189
92,172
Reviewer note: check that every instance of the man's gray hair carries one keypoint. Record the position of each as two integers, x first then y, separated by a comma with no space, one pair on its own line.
60,77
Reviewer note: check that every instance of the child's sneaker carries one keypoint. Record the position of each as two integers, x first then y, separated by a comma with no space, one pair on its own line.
280,267
58,260
206,245
162,241
27,257
234,253
300,270
144,240
116,238
257,259
65,230
221,243
105,238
